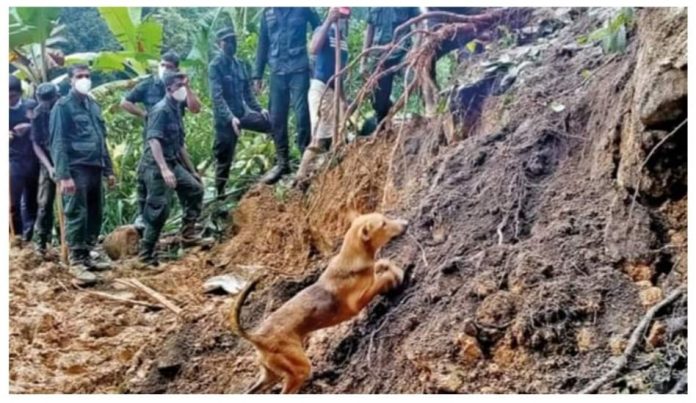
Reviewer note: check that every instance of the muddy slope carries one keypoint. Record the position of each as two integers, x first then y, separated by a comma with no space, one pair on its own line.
539,239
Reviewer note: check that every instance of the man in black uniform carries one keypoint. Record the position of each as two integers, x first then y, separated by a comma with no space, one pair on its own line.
234,104
47,95
24,167
78,149
283,45
149,92
167,167
381,29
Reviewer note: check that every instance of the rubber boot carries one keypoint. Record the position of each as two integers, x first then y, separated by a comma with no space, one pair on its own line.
189,235
282,167
147,257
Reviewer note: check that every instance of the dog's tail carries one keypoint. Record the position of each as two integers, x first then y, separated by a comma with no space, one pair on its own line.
234,317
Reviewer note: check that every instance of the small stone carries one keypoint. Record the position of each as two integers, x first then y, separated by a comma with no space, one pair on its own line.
643,285
640,272
586,340
469,349
617,345
656,337
447,383
650,296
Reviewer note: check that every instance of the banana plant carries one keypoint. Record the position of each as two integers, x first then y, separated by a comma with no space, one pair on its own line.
33,33
140,40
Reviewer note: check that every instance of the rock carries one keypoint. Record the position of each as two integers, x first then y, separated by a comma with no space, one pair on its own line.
226,282
497,310
122,242
644,284
640,272
469,349
447,383
650,296
586,340
617,345
656,337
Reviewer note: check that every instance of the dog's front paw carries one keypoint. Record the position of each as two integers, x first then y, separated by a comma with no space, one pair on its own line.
384,265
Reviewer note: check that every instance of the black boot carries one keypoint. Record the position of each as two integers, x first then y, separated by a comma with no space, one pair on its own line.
282,165
147,256
79,270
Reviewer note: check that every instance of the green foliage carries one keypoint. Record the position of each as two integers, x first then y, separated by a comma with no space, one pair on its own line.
86,31
31,24
613,36
32,33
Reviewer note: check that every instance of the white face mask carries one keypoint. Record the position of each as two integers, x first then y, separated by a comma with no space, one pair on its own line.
83,85
160,72
180,94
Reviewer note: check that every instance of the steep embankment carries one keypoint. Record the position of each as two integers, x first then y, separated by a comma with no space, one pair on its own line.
543,228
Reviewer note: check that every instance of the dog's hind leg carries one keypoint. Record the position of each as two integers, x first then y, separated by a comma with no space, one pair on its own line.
292,365
301,368
267,379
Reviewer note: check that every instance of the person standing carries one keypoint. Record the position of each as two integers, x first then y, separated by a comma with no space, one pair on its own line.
321,96
24,166
234,104
167,167
148,93
47,95
382,23
78,149
283,46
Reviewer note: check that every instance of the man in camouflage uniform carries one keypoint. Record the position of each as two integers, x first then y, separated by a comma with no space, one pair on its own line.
381,26
78,149
167,167
283,45
234,104
47,95
148,93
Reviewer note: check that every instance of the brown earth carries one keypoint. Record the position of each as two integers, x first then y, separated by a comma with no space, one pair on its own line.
533,241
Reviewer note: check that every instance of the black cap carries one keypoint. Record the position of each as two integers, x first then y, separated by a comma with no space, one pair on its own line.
170,77
224,33
47,91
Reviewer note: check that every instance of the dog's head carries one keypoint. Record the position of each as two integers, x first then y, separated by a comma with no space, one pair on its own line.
376,230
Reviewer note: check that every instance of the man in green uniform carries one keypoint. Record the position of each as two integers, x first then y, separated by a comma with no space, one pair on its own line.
149,92
78,149
47,95
167,167
283,45
234,104
381,26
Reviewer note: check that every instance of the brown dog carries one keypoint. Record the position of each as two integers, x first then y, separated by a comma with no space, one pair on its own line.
352,279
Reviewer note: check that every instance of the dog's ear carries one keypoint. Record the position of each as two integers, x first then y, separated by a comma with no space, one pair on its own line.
365,231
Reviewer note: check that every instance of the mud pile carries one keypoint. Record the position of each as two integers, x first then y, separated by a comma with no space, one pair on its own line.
538,240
